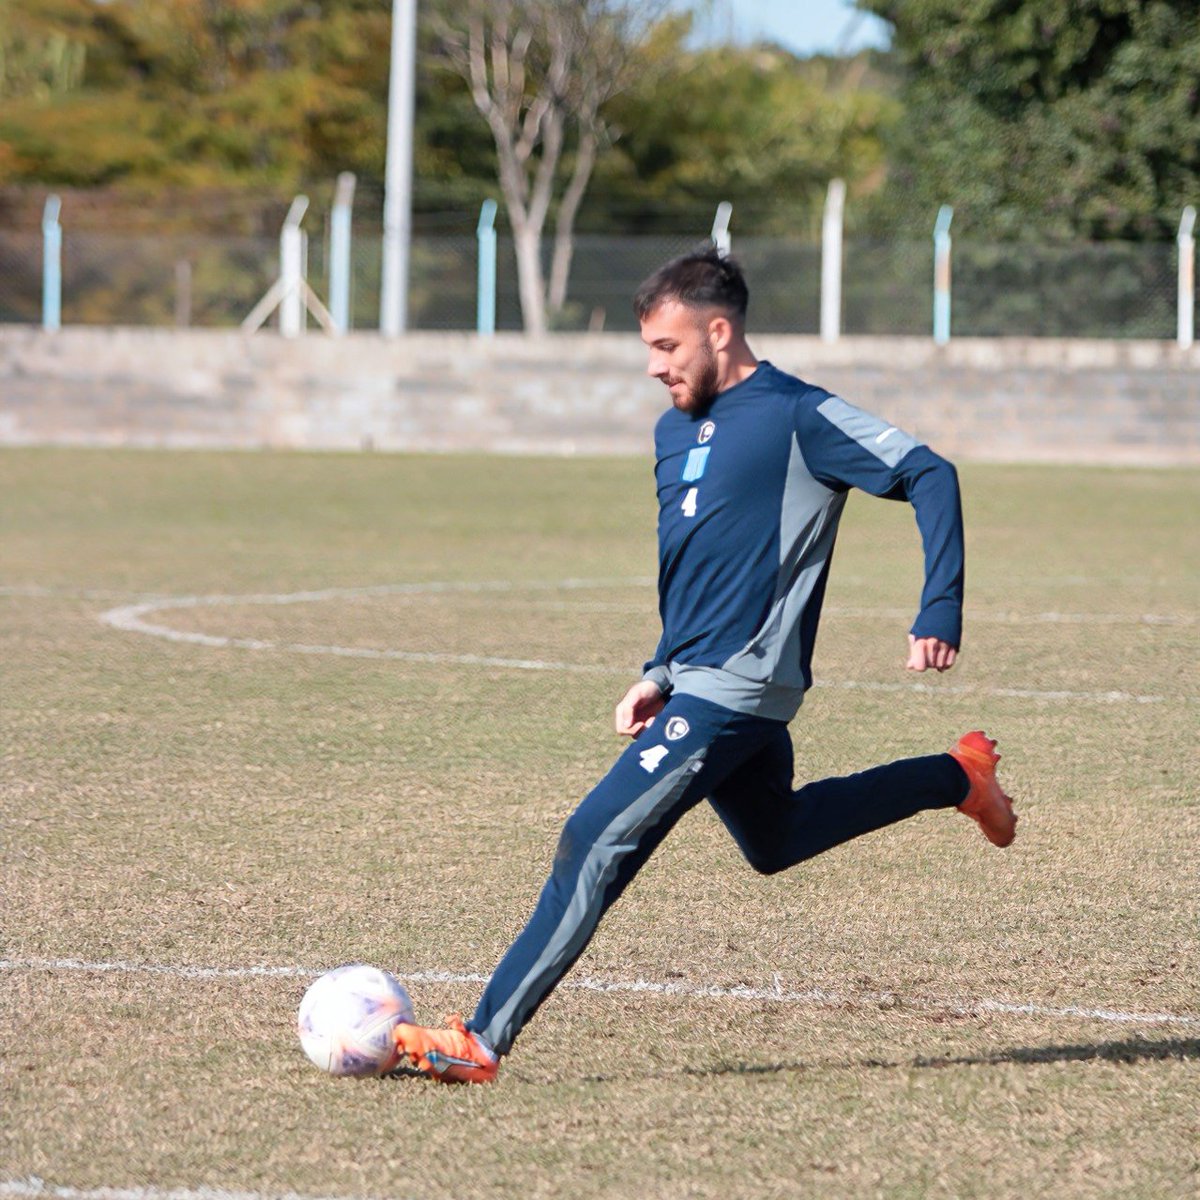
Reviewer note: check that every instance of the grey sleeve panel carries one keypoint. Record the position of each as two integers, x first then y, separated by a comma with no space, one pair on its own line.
661,677
780,651
884,441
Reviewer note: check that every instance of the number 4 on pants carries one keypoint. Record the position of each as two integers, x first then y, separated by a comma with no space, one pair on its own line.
689,502
650,759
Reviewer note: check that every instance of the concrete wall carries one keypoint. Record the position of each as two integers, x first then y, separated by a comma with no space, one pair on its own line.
1016,400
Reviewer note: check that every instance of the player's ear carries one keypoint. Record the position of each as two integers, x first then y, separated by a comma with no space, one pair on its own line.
720,332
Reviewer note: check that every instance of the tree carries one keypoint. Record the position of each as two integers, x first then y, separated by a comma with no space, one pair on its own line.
43,50
190,94
753,125
540,72
1066,116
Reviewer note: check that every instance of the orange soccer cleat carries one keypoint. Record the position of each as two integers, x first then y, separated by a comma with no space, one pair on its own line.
985,802
450,1055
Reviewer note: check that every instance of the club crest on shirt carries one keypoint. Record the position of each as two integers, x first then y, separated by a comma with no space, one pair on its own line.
677,728
706,431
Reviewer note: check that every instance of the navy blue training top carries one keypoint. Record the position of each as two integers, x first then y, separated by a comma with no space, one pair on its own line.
750,493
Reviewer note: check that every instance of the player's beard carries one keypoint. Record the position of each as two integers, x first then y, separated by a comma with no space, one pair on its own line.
702,390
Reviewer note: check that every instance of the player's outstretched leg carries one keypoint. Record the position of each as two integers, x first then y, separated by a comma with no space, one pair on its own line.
985,802
450,1055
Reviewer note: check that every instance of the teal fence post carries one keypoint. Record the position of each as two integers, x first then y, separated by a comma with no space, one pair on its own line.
51,264
941,275
485,308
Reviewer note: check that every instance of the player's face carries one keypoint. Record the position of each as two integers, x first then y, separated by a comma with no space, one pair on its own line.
682,355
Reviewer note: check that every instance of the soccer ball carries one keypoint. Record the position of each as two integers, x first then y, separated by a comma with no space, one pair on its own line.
346,1020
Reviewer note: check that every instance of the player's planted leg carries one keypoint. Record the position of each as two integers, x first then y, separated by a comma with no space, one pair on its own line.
450,1055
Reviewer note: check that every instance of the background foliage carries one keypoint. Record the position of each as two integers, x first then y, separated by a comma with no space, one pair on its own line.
1070,118
1047,117
1060,122
148,97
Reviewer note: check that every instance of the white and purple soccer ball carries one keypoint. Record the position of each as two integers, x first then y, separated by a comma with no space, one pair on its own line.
347,1017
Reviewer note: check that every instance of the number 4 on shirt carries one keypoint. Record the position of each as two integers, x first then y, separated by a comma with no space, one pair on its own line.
689,502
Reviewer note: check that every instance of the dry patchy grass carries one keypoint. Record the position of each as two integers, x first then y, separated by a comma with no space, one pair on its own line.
174,803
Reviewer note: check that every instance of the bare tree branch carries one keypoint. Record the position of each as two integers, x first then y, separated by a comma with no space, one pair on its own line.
540,72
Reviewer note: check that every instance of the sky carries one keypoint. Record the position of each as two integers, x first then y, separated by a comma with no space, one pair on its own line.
802,26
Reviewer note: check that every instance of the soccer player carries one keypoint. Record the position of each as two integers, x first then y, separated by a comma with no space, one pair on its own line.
753,469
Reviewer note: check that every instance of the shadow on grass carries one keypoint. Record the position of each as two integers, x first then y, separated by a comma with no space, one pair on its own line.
1130,1051
1133,1050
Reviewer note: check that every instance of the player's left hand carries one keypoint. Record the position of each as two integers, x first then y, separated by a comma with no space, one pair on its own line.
929,654
638,708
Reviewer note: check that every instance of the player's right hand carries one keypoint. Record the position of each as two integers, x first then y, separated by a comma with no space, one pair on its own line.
638,708
930,653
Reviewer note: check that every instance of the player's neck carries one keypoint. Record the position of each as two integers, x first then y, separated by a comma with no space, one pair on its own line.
738,365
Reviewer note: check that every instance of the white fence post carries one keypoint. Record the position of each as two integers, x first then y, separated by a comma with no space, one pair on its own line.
831,261
941,275
397,170
1186,306
291,269
339,251
290,293
51,265
720,230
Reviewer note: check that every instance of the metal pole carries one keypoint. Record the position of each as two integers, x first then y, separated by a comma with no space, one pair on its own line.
941,275
720,229
183,293
831,261
51,265
291,269
485,307
339,251
397,195
1186,308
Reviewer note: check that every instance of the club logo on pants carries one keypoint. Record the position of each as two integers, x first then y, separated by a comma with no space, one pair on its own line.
677,728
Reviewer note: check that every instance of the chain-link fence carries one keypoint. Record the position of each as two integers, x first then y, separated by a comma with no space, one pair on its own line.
1103,290
1106,289
20,277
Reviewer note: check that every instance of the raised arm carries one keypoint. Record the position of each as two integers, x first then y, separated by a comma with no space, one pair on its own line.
845,447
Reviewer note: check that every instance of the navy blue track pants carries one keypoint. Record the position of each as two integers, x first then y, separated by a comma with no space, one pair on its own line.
695,749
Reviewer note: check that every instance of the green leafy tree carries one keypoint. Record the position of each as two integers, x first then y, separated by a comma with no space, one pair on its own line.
1061,117
208,115
756,126
162,99
191,93
43,48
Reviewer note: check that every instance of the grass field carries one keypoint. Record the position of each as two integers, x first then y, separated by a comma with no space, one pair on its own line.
302,765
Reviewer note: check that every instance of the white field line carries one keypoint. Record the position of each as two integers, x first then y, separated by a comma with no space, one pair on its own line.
517,589
993,617
156,600
950,689
131,618
778,994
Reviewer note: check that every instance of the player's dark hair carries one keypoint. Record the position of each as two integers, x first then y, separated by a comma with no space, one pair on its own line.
704,279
